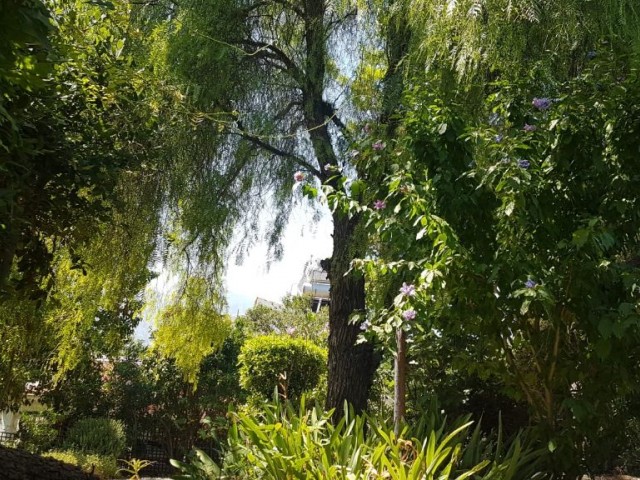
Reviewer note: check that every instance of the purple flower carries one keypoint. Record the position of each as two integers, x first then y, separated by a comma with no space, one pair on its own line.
408,290
498,138
379,145
298,176
542,104
591,55
364,326
530,284
409,314
379,204
524,164
291,330
529,128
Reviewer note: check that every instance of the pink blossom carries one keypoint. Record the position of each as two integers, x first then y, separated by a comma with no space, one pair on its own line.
298,176
379,204
378,146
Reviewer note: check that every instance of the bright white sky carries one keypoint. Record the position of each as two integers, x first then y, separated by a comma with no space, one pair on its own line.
255,277
302,240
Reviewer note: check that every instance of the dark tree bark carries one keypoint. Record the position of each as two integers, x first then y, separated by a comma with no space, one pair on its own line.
351,366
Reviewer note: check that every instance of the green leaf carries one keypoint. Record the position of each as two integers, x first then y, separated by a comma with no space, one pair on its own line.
508,210
605,327
309,191
580,237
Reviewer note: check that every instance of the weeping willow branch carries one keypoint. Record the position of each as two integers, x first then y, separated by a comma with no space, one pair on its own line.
256,140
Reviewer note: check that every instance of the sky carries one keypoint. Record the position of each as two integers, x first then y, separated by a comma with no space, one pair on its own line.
303,240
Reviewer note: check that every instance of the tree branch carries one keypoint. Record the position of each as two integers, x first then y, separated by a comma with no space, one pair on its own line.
285,111
293,69
275,150
336,21
290,5
330,112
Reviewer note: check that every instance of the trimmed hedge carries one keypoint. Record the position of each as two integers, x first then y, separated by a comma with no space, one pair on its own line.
102,436
291,364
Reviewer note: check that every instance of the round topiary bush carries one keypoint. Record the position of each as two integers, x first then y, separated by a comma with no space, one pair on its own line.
102,436
291,364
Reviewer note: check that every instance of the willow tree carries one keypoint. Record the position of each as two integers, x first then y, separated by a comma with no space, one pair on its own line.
79,189
265,78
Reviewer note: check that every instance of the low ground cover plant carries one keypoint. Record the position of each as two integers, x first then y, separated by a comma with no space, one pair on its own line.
104,466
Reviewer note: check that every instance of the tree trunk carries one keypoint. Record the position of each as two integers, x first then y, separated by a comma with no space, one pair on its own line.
351,366
400,381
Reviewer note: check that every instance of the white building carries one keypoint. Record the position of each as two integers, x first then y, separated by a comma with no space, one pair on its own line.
315,284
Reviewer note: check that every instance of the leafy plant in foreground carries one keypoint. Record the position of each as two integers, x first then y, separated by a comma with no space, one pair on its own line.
285,443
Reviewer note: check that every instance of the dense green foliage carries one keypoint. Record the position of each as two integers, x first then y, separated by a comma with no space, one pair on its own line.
480,161
510,207
294,318
104,466
79,192
291,365
191,326
285,443
38,432
102,436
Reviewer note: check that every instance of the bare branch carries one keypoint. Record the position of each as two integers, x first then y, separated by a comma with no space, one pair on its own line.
285,111
256,140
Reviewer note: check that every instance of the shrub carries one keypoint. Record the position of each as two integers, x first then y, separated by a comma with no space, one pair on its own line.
104,466
38,431
269,361
284,443
102,436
